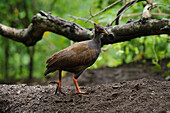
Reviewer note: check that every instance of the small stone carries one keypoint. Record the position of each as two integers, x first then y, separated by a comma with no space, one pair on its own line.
116,86
153,93
38,86
18,92
23,85
130,97
115,94
29,98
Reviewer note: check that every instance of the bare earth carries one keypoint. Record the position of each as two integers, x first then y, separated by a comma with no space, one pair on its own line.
130,88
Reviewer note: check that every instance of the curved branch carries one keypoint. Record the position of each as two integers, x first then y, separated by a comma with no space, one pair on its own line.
122,10
111,5
137,29
42,22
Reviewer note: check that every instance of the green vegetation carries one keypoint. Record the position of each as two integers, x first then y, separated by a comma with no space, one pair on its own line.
16,58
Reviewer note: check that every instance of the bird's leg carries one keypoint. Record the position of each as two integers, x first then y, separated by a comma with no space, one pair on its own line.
77,87
59,83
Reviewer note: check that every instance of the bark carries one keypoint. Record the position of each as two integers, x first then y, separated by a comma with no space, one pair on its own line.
42,22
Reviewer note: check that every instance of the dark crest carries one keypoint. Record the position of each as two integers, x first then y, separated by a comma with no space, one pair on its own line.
100,29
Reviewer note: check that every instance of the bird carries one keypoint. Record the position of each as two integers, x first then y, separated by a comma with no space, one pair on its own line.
76,58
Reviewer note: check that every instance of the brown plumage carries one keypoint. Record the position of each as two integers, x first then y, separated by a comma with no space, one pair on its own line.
76,58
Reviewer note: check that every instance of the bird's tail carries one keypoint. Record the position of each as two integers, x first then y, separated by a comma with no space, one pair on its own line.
46,72
49,70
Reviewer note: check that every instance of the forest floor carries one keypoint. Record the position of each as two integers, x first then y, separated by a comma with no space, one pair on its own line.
127,88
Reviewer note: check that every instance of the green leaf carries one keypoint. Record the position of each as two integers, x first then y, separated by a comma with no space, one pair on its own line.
157,67
166,74
168,65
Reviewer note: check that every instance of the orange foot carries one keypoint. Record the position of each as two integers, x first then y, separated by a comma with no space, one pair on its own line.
79,92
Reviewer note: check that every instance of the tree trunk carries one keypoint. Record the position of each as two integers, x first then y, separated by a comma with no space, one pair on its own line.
6,59
31,52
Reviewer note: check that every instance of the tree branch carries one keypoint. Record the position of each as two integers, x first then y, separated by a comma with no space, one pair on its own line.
136,29
111,5
42,22
80,18
138,14
122,10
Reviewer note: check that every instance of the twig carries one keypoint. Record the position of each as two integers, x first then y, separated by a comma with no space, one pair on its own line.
106,48
71,42
162,14
133,14
80,18
137,14
90,14
146,12
159,10
122,10
163,4
103,9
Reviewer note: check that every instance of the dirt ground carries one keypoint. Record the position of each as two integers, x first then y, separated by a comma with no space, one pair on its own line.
130,88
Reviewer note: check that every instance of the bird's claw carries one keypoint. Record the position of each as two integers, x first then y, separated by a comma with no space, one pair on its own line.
58,88
59,91
79,92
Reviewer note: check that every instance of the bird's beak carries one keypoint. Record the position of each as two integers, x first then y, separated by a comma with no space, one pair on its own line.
106,32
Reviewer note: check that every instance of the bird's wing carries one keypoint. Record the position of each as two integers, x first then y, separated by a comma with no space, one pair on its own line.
75,55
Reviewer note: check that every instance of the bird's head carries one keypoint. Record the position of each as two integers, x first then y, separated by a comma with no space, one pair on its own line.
99,29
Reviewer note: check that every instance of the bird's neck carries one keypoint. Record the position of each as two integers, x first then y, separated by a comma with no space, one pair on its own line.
97,39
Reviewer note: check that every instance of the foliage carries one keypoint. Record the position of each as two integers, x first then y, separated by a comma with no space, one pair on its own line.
18,13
